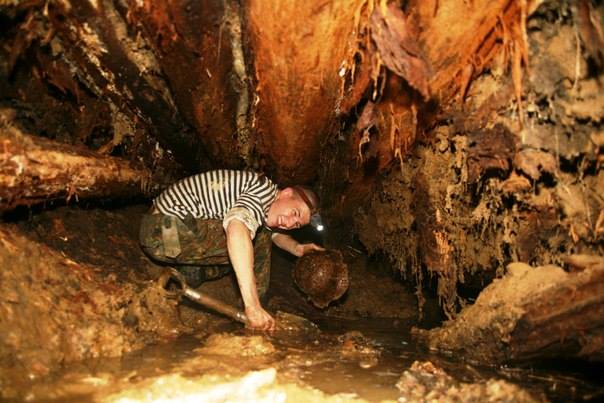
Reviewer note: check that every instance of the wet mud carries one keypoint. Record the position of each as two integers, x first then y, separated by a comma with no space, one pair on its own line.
76,286
375,362
84,320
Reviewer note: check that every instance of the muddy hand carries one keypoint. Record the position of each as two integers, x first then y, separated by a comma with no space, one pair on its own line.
309,247
259,319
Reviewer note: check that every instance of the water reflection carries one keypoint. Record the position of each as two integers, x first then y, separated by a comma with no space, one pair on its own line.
357,359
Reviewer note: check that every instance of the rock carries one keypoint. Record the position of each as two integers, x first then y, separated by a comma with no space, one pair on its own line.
424,381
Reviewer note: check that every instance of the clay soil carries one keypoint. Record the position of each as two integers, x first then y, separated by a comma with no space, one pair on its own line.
83,318
508,174
79,288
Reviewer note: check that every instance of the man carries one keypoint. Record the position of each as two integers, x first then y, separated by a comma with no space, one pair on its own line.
202,223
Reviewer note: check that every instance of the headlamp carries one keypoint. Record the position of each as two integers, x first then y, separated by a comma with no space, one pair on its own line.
315,218
317,222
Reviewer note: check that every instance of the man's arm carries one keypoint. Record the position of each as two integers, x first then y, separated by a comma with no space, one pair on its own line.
292,246
241,254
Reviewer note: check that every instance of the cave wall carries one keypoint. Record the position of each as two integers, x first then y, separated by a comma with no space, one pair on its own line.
56,309
496,181
214,84
300,50
412,63
199,84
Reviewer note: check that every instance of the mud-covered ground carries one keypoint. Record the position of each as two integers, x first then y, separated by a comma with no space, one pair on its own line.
83,319
297,363
76,286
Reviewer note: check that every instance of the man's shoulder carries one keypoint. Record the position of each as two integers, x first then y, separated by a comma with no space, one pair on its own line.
244,175
253,176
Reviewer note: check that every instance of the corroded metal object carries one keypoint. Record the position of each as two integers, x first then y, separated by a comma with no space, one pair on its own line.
322,276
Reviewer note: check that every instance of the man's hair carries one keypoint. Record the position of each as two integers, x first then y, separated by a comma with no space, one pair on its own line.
308,196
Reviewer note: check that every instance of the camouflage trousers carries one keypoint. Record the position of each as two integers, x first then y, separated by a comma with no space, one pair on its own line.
200,244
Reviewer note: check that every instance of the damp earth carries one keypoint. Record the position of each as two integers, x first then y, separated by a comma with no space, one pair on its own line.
457,149
360,348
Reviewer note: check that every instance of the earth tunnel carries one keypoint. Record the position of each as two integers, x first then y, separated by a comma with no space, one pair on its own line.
456,148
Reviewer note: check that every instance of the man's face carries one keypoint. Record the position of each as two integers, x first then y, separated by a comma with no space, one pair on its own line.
288,212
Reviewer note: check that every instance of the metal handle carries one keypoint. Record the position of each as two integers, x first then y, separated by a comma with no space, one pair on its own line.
216,305
201,298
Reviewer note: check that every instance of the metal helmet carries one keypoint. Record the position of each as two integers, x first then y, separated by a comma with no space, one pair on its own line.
322,276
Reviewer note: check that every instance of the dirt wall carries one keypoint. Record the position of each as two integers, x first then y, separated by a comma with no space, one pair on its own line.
66,297
500,179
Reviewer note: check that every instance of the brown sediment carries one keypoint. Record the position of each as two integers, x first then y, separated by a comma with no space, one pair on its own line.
450,138
483,191
531,312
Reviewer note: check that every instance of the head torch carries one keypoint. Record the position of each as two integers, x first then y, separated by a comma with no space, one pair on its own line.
316,222
315,218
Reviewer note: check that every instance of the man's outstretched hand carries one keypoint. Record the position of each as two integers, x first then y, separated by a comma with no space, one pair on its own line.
304,248
259,319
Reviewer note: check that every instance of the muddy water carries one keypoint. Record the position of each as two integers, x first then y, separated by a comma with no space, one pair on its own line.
340,360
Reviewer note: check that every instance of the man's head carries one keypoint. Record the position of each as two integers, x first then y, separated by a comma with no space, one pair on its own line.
293,208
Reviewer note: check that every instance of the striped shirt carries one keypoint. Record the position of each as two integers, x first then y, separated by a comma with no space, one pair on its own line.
220,194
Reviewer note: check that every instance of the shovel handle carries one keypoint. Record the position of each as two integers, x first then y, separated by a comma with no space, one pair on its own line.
216,305
204,299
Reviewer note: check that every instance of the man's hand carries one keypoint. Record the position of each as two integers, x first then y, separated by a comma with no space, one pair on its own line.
304,248
259,319
287,243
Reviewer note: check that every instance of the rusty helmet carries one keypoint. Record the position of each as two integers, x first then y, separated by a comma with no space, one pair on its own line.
322,276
